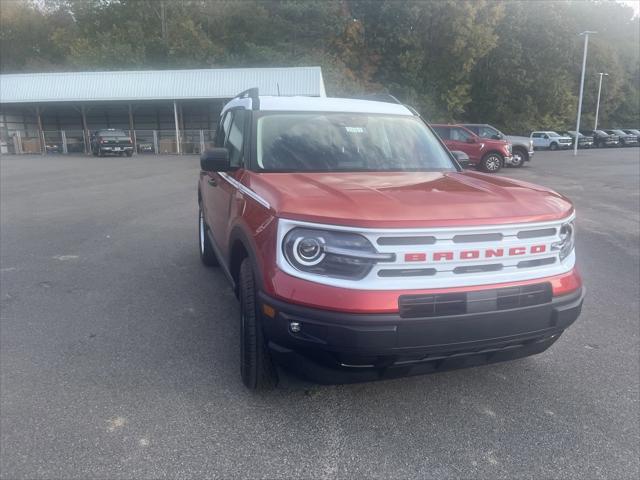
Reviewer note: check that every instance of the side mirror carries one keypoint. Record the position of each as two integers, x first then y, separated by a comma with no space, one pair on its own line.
546,137
496,137
215,160
462,158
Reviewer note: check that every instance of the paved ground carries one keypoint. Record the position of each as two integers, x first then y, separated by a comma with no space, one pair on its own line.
119,356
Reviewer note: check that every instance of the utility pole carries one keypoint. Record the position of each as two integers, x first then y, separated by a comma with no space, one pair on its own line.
595,125
584,66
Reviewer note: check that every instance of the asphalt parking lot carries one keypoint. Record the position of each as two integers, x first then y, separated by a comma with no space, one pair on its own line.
119,353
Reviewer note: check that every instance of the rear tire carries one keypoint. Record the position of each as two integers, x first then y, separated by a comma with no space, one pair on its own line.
207,254
256,367
491,162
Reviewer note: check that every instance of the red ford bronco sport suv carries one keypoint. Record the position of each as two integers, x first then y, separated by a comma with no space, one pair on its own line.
360,249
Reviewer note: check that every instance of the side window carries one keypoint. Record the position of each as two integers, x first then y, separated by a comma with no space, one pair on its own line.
459,134
487,132
234,139
442,132
537,135
474,129
223,130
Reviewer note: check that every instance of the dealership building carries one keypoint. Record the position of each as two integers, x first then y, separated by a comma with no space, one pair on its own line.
164,111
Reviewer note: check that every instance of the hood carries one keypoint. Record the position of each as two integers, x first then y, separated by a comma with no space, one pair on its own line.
516,138
406,199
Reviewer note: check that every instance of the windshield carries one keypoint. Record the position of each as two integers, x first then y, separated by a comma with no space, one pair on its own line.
346,142
553,134
618,132
112,133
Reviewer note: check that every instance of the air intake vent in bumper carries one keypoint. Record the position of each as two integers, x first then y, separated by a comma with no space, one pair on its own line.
438,305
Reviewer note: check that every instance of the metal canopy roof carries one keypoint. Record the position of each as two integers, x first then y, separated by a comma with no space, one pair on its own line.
158,84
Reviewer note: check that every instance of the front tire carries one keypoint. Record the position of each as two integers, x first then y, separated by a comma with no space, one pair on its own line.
256,367
519,157
207,254
491,162
553,146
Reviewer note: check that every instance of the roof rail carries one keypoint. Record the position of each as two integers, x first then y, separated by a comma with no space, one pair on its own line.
254,95
387,98
380,97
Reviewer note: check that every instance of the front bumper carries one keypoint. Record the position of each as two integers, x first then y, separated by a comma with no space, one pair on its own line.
333,347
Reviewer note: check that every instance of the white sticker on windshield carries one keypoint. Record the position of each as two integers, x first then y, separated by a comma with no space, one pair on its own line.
354,129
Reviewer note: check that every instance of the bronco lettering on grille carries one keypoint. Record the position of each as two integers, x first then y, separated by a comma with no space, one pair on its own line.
474,254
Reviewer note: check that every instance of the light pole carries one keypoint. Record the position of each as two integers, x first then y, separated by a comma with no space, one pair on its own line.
584,65
595,125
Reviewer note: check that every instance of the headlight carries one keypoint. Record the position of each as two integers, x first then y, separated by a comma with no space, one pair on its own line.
331,254
567,240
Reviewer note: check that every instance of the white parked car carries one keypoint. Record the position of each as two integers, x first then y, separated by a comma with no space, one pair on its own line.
551,140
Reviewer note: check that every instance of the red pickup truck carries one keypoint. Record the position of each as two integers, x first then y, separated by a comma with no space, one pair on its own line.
360,249
487,154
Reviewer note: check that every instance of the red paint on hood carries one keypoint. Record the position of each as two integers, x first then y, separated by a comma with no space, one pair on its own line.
406,199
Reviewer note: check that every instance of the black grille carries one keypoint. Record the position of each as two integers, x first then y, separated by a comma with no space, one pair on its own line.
424,240
542,232
407,272
419,306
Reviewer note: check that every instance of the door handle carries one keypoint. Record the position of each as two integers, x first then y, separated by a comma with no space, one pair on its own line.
213,182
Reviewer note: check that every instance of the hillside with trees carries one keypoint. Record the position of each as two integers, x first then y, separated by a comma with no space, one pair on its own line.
515,64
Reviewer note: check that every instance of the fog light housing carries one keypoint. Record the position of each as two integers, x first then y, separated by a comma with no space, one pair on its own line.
295,327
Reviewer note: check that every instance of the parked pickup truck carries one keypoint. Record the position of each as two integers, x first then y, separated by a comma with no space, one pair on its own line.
625,139
521,147
550,140
485,154
359,249
111,140
601,138
584,141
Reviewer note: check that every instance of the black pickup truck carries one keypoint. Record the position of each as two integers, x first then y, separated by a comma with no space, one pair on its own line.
111,140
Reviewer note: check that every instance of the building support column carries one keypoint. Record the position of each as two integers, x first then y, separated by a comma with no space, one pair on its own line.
132,131
85,130
175,119
43,146
63,135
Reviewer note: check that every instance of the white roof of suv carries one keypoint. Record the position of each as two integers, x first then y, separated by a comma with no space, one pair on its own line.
320,104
